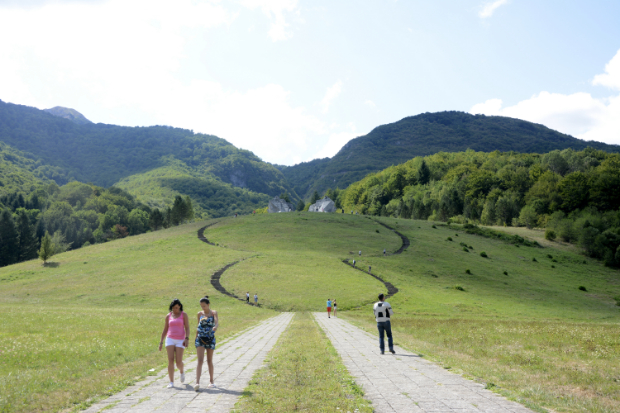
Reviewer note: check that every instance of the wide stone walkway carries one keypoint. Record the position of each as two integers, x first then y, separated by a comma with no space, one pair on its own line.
406,382
235,362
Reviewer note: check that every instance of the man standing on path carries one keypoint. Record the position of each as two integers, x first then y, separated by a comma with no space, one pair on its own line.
255,299
369,267
383,311
353,263
384,252
247,297
329,308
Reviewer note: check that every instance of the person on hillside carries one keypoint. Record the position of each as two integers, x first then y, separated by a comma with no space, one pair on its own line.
353,263
383,311
208,322
384,252
369,268
176,333
247,297
255,299
360,253
335,308
329,308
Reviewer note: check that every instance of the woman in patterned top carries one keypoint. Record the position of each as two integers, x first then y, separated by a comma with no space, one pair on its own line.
205,339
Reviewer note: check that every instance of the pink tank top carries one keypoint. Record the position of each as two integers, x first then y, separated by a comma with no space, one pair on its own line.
176,326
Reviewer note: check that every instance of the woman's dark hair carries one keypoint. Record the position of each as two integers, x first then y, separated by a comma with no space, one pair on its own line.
174,302
205,299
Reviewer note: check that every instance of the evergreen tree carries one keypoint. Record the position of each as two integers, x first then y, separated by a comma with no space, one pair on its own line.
179,211
424,174
9,240
28,244
300,205
189,209
47,248
315,197
168,218
156,219
285,196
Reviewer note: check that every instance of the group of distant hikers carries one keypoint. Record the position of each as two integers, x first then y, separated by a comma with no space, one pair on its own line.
175,335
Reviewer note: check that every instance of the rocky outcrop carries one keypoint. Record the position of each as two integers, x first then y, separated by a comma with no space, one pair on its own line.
280,205
323,205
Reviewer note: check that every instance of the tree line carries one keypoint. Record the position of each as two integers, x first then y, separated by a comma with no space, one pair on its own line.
574,195
50,219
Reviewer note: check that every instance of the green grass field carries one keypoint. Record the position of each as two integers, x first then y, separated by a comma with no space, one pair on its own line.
520,325
90,323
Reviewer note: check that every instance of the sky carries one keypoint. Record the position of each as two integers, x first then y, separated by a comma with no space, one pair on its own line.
294,80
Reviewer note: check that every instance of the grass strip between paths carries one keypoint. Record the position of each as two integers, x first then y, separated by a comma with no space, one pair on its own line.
303,373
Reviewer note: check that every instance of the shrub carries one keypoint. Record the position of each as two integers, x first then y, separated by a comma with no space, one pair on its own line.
554,260
459,288
505,272
550,256
462,244
582,288
456,235
553,266
465,249
377,231
467,272
434,227
617,298
584,261
484,254
470,247
534,259
550,234
449,239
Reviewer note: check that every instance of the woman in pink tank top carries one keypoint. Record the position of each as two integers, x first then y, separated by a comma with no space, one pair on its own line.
176,334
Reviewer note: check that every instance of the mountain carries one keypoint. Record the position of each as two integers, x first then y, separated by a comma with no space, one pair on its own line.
107,154
426,134
71,114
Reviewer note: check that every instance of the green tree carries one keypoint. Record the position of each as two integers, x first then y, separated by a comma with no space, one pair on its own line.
315,197
60,243
156,219
528,216
488,213
9,239
47,248
179,211
28,243
138,222
300,205
574,191
189,209
285,196
424,173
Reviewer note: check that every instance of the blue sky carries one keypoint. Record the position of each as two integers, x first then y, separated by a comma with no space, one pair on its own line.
293,80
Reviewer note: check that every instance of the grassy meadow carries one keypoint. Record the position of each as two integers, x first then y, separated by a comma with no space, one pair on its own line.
303,375
515,319
90,323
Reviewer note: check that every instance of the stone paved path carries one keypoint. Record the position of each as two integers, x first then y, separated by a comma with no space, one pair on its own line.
406,382
235,362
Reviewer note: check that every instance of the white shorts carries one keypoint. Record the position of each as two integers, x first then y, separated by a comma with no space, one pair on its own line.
174,342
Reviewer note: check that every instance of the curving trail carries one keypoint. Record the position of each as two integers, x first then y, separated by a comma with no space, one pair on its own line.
390,287
405,240
215,278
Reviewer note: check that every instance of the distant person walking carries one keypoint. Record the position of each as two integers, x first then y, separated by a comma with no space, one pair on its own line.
335,308
176,334
255,299
384,252
383,311
247,297
353,263
329,308
369,267
360,253
208,322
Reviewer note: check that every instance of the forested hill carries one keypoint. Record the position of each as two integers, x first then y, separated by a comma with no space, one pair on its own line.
105,154
423,135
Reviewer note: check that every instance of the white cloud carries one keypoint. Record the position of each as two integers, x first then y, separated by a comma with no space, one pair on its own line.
335,142
611,77
124,58
332,93
489,8
370,103
578,114
275,10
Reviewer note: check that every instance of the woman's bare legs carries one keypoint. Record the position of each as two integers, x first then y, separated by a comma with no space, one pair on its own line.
210,364
170,351
200,352
179,351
